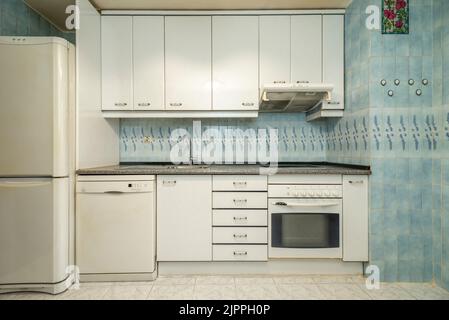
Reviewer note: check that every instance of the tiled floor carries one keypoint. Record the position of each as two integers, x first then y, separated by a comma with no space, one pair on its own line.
245,287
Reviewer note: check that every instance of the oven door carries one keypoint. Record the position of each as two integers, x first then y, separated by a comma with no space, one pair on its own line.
305,228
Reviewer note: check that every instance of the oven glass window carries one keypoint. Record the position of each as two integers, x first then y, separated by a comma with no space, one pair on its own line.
305,230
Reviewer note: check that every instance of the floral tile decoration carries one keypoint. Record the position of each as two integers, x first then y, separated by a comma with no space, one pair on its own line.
395,18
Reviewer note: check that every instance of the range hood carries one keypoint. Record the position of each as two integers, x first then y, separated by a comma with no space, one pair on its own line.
294,97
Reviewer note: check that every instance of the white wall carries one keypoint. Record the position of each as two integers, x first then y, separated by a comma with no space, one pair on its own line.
97,138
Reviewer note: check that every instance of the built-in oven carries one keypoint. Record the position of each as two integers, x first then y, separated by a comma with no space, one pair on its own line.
305,221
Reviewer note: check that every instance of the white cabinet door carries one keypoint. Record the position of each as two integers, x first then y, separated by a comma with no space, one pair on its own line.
334,56
117,63
148,53
188,63
184,218
306,60
355,218
274,50
235,63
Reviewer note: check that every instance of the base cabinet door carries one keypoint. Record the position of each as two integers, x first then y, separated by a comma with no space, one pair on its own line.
184,218
355,218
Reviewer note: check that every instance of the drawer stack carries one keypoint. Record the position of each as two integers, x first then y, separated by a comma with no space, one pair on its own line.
240,231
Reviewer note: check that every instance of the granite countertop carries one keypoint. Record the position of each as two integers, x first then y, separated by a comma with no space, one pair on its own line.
232,169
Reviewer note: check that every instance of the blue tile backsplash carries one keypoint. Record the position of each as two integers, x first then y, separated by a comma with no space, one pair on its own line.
17,19
404,138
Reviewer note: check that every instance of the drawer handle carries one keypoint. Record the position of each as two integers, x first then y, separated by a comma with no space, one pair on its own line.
302,81
239,236
240,218
240,253
356,182
175,104
169,182
144,104
120,104
248,104
240,201
113,192
240,184
278,82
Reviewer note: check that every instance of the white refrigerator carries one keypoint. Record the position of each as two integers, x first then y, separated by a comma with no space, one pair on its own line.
37,146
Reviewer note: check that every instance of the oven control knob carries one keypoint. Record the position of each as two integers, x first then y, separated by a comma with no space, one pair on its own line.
303,193
296,194
335,194
319,194
311,193
327,193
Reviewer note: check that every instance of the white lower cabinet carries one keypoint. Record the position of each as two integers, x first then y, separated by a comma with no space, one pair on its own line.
240,252
239,218
240,200
237,235
355,218
184,218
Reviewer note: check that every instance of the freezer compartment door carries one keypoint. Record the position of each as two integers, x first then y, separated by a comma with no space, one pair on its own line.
33,230
34,109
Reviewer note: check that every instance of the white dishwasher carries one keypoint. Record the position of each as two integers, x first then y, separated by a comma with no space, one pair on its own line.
115,228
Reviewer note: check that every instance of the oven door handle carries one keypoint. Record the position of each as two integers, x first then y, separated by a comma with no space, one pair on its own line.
305,205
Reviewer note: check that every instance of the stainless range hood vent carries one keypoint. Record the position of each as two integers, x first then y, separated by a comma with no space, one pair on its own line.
298,97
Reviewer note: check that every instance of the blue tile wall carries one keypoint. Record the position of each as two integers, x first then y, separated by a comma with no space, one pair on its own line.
149,140
17,19
408,138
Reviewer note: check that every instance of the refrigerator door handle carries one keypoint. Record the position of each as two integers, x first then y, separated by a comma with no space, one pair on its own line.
24,183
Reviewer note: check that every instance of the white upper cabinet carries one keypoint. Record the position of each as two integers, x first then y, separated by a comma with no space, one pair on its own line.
117,63
306,51
274,50
334,56
148,53
188,63
235,62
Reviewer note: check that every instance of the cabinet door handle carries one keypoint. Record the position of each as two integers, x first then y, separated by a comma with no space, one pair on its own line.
175,104
120,104
279,82
169,182
302,81
147,104
240,201
240,253
356,182
239,236
240,218
240,184
248,104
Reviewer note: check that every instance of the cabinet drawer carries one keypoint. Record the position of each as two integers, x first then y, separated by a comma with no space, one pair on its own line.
255,218
240,183
240,253
239,200
239,235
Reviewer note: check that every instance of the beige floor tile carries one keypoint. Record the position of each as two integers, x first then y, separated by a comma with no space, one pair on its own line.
343,291
222,280
128,292
300,292
258,292
293,279
333,279
171,292
254,280
215,292
388,292
424,291
84,293
174,280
